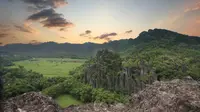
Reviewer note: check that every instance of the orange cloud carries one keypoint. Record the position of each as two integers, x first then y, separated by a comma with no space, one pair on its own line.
192,20
192,29
193,8
26,28
186,22
198,20
170,22
5,31
34,42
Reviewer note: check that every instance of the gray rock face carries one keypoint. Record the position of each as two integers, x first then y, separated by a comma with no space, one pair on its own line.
96,108
30,102
173,96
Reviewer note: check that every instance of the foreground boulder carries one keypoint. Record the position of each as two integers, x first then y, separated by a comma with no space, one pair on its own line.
174,96
30,102
96,107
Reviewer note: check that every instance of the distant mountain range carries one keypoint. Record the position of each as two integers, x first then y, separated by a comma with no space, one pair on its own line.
157,37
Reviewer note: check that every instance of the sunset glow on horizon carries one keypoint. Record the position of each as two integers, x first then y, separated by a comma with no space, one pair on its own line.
80,21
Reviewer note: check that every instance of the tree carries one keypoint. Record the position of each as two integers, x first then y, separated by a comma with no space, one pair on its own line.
101,70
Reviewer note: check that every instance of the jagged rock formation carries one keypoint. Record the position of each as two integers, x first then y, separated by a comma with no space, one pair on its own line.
30,102
96,108
174,96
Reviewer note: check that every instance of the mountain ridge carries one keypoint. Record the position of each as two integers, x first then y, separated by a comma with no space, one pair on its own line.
159,36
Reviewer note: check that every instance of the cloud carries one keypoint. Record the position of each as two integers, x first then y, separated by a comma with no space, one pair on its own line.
106,36
62,29
32,9
63,38
4,28
191,25
193,8
189,22
198,21
45,13
49,18
34,42
86,33
5,31
25,28
1,43
3,35
42,4
129,31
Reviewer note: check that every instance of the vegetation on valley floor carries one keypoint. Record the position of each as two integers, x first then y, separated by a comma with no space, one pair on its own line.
51,67
160,53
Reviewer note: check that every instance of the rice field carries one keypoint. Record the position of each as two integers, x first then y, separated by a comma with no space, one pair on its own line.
51,67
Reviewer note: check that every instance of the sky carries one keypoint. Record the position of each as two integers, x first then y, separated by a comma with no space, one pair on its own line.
80,21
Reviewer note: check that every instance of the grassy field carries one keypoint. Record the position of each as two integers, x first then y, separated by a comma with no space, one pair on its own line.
51,67
67,100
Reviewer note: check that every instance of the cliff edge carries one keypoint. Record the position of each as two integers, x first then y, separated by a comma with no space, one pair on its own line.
172,96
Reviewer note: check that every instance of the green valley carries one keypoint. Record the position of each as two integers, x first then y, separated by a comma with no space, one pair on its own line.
51,67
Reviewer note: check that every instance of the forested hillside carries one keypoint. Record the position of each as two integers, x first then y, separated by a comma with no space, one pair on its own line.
152,38
115,70
155,55
169,54
52,49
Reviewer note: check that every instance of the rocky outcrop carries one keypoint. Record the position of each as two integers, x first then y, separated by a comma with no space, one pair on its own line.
96,107
30,102
173,96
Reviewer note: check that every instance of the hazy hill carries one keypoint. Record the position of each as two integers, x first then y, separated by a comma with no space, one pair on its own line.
158,37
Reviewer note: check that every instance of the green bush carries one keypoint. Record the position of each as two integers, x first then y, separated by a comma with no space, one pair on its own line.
18,81
83,92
